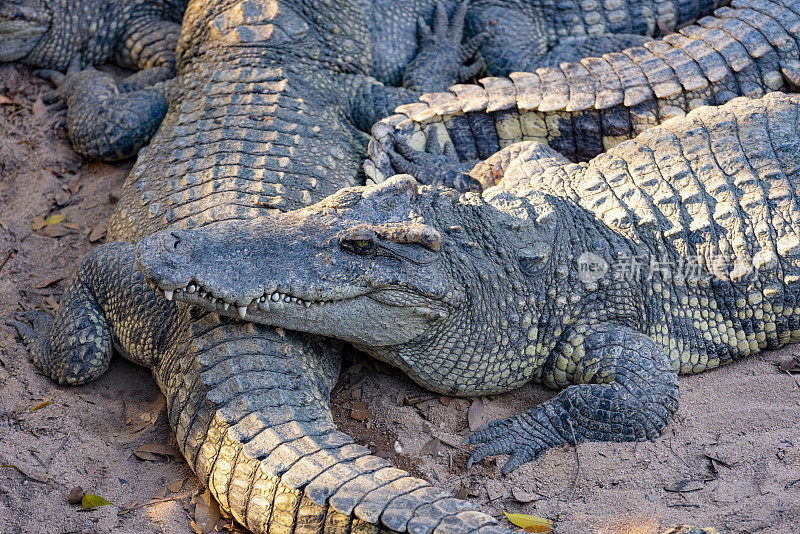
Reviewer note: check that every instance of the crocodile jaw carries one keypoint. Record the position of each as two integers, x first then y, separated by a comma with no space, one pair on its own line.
369,319
22,25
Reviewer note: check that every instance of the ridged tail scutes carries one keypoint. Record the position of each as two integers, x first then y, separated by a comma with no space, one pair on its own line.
250,410
584,108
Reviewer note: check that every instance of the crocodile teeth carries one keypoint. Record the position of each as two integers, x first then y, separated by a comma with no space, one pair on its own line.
202,294
242,311
307,304
213,300
287,298
275,297
226,305
168,294
191,288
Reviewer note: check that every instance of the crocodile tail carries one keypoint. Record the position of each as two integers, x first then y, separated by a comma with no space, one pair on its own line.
250,410
582,109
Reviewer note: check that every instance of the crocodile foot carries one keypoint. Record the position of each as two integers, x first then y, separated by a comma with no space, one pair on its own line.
522,440
106,120
442,58
434,166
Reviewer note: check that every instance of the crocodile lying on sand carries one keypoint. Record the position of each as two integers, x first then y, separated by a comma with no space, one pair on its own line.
675,252
584,108
137,34
262,118
142,34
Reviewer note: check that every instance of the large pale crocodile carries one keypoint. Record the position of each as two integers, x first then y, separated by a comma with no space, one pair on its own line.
675,252
263,116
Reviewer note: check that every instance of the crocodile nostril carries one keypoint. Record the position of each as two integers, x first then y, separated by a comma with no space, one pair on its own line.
174,242
177,240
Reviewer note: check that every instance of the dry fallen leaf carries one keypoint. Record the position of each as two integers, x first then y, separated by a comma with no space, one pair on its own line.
41,405
155,452
463,492
90,501
160,494
32,474
75,495
39,109
432,447
791,366
48,281
475,414
523,496
530,523
52,302
359,411
97,233
56,230
176,486
38,223
4,100
684,486
206,513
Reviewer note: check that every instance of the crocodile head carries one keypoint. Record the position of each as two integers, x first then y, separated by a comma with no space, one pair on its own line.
396,268
22,25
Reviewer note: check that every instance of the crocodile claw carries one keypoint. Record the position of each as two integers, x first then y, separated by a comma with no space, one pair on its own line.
521,442
442,58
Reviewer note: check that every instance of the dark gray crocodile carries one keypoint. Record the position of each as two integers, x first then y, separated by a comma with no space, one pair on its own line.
584,108
139,34
675,252
263,116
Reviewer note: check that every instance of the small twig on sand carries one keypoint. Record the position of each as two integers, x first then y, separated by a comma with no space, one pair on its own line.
151,503
10,255
793,378
577,460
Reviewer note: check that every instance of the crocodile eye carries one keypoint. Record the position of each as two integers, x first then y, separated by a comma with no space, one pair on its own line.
358,246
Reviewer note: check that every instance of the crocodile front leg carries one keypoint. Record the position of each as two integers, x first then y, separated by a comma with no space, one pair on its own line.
108,305
625,389
106,120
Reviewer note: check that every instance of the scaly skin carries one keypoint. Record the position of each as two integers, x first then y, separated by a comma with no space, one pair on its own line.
675,252
504,32
265,115
139,34
582,109
262,117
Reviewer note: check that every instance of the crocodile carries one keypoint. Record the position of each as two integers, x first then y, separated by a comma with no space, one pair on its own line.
675,252
142,34
584,108
263,116
138,34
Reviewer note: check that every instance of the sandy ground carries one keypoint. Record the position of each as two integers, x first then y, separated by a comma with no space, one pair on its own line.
733,448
